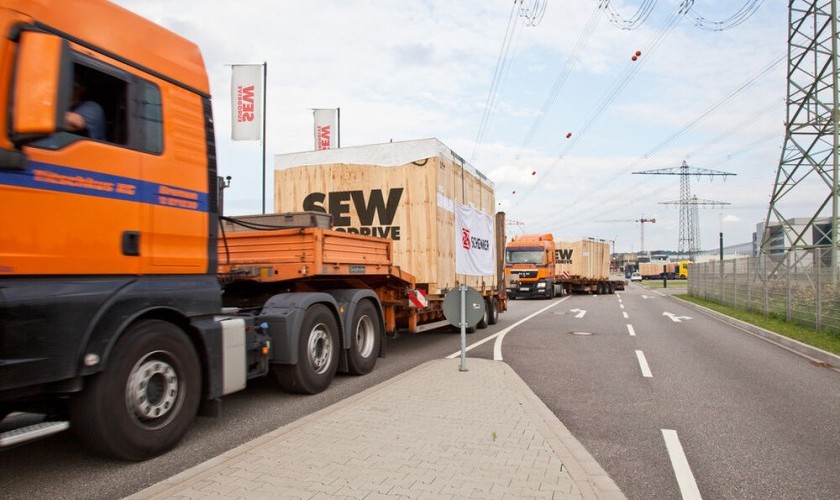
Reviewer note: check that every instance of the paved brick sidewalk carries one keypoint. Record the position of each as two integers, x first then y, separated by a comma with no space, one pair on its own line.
432,432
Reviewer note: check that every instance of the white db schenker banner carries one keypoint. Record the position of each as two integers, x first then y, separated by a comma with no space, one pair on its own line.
474,242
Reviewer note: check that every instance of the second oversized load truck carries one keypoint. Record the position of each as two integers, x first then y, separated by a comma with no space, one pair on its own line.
538,266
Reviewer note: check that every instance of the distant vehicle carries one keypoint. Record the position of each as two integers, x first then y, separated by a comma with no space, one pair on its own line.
635,277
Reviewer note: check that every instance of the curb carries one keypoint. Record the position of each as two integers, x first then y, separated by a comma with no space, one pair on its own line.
813,353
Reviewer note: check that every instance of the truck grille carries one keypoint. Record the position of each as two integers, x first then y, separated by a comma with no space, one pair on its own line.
531,273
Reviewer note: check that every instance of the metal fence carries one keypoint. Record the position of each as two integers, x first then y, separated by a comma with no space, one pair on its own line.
800,286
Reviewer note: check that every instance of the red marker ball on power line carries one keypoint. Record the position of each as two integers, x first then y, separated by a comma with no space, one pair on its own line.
633,58
514,192
568,135
534,172
638,53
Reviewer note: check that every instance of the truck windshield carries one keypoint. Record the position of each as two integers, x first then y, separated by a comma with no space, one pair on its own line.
524,256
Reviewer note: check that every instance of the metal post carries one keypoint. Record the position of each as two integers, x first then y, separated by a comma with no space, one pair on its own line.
835,155
265,93
463,290
818,269
787,285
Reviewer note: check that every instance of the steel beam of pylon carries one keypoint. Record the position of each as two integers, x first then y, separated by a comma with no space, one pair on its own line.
689,237
809,160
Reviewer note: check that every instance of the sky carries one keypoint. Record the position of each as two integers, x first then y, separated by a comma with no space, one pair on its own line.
413,69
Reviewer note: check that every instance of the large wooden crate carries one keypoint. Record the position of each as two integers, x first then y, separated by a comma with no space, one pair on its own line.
405,191
584,258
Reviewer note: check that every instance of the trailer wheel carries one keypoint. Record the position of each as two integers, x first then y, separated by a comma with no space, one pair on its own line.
493,318
485,318
146,399
365,338
317,354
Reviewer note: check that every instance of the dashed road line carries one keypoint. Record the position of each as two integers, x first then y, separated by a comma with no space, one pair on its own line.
643,364
631,331
625,315
685,479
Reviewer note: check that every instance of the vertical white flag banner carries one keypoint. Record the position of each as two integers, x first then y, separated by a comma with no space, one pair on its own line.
326,128
246,97
474,242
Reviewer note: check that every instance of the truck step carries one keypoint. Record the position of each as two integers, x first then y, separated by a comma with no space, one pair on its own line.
31,432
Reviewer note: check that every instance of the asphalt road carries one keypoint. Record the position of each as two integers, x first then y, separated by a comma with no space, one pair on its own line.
753,420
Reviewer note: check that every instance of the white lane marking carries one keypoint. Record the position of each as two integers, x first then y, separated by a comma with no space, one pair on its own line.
643,364
625,315
580,312
621,306
501,334
631,331
619,296
685,479
675,318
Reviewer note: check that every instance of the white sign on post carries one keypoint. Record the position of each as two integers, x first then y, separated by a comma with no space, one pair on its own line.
474,242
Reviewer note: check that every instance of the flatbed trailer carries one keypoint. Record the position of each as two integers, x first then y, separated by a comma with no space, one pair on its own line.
255,265
582,284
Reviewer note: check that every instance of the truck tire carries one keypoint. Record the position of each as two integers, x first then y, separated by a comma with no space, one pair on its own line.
147,397
317,354
485,319
364,340
493,317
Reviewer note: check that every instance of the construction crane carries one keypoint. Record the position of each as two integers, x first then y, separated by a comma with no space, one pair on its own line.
641,221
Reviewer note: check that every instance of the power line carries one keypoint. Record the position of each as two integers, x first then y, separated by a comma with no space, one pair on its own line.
617,86
739,17
709,111
633,22
501,61
560,81
532,14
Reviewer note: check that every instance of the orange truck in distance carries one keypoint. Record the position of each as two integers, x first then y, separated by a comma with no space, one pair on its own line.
529,266
538,266
127,308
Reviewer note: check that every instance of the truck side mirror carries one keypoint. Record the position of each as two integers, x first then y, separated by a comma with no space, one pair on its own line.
39,103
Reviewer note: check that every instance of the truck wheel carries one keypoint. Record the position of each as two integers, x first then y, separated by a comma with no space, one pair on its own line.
493,318
147,397
317,354
364,342
485,318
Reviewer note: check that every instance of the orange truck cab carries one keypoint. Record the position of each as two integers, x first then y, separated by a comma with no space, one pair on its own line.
107,251
529,266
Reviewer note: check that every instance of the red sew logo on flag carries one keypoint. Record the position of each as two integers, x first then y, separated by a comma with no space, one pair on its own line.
465,238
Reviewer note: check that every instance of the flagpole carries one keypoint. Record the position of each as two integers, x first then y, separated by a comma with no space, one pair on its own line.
338,134
265,92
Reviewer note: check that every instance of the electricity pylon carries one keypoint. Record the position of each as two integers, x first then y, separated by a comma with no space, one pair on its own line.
809,161
689,238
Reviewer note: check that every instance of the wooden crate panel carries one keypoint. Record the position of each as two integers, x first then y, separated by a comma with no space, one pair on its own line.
411,203
584,258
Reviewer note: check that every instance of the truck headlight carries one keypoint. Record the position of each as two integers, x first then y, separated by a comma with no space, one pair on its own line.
541,284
